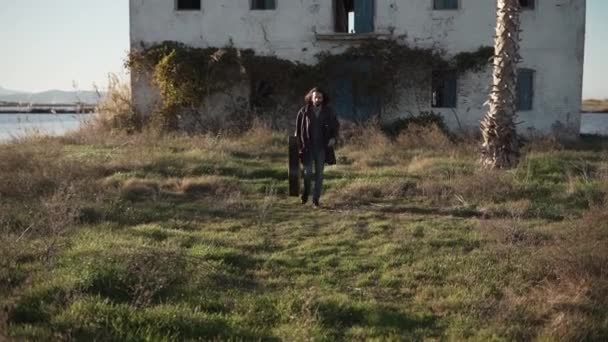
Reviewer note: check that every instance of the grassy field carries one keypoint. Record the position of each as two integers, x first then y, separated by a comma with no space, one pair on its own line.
112,237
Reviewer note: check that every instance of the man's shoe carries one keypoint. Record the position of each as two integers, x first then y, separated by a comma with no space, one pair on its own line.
304,200
315,201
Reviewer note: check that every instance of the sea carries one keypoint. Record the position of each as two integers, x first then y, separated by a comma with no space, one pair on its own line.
594,124
19,125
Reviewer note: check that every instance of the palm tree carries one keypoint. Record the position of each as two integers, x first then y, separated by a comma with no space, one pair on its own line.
500,147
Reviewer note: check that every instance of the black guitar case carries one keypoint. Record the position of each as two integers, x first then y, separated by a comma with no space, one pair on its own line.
294,167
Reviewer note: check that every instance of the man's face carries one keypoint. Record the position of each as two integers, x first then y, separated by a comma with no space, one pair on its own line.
317,98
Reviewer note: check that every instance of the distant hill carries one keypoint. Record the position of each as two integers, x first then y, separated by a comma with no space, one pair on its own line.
4,91
595,105
49,97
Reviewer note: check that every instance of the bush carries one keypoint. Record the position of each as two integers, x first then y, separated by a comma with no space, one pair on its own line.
116,109
424,119
417,136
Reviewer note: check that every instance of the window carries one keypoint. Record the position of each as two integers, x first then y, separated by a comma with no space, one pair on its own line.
354,16
444,89
525,89
526,4
263,4
188,5
445,4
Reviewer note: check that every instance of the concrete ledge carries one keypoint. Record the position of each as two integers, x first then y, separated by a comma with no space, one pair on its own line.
351,36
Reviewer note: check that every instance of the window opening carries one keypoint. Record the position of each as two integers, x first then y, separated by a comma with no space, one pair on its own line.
525,89
444,84
263,4
344,21
526,4
445,4
188,5
354,16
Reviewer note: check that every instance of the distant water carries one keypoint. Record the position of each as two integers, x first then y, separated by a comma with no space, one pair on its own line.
18,125
594,123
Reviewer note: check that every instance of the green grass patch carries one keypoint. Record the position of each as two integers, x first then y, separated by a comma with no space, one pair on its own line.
194,238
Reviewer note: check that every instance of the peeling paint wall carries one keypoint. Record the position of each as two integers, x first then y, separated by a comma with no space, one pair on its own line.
552,44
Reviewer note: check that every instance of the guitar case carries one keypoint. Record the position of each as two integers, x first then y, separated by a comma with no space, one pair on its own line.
294,167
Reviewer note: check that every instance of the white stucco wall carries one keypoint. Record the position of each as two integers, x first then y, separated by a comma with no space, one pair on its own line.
552,44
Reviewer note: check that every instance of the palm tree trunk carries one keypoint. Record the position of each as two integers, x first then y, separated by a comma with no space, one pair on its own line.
500,147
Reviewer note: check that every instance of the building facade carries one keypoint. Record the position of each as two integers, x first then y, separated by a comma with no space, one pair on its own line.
552,46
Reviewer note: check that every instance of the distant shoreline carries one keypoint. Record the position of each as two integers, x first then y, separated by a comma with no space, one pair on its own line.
592,112
47,111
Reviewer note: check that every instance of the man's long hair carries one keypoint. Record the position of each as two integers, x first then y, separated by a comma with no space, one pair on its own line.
308,97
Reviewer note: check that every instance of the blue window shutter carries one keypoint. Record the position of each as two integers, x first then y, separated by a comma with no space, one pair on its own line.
450,88
444,89
364,16
263,4
525,89
445,4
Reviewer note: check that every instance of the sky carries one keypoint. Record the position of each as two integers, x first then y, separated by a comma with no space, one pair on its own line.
72,44
52,44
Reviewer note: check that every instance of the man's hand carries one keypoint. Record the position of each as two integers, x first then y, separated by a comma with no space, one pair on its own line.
331,142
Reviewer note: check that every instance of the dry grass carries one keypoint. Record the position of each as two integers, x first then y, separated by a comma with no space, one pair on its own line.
514,209
260,134
135,189
437,192
513,232
116,109
509,273
366,146
566,291
364,191
369,147
207,186
32,169
485,185
424,137
542,143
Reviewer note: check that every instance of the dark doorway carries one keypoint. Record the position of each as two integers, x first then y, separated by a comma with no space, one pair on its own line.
354,16
354,94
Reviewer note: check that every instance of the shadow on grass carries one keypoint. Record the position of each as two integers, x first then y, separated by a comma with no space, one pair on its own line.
435,211
94,319
168,208
588,142
546,211
339,317
272,156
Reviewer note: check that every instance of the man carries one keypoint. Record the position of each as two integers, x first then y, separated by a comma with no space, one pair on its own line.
316,133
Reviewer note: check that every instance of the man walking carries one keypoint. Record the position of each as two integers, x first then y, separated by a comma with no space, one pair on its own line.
316,133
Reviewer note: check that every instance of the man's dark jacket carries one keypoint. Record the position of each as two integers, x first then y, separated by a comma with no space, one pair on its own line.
330,126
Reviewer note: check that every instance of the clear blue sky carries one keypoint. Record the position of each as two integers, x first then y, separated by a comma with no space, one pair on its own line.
49,44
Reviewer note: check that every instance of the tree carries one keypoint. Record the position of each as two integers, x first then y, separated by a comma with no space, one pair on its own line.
500,148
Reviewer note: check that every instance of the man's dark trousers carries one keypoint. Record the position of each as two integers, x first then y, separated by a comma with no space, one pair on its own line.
316,155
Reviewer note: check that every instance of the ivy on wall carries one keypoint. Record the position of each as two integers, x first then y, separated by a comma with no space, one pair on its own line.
185,76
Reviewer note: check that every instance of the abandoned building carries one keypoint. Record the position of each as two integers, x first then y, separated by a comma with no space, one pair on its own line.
549,77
